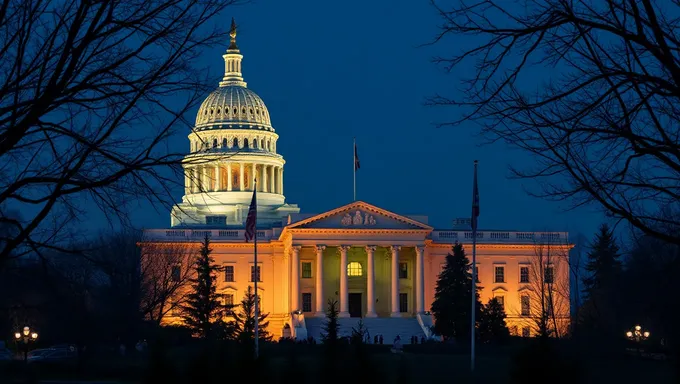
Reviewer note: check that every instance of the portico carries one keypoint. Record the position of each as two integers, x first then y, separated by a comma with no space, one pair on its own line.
368,252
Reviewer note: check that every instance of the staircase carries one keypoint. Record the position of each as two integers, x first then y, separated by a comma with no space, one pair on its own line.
388,327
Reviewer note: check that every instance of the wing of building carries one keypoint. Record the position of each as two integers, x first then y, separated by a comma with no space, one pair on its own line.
376,264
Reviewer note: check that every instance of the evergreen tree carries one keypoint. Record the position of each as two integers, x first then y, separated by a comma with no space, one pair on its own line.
359,333
244,320
492,327
451,306
603,263
203,309
331,327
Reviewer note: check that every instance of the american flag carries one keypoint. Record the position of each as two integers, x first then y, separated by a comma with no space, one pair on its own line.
356,158
475,200
251,220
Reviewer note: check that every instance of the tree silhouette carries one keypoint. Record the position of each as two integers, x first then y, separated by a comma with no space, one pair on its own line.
203,308
453,293
244,320
492,327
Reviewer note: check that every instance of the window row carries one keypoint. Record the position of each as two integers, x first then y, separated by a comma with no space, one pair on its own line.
228,273
525,305
354,269
234,112
307,302
241,143
524,276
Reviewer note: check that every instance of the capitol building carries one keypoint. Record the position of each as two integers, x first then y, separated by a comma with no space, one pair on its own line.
378,265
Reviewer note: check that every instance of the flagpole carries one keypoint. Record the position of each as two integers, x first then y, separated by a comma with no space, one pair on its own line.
354,167
257,277
474,271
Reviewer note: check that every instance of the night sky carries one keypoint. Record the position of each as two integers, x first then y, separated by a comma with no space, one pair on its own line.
332,71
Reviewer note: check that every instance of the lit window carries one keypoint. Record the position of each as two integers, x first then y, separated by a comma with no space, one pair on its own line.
524,274
306,302
229,273
354,269
175,273
228,301
499,275
306,270
501,301
526,309
549,275
403,270
403,302
252,273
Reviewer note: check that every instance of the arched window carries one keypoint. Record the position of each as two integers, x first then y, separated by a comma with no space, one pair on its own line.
214,143
269,146
354,269
224,143
235,144
254,143
262,143
245,143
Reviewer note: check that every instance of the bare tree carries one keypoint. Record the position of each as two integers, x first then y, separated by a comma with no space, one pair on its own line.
89,92
548,290
590,88
165,272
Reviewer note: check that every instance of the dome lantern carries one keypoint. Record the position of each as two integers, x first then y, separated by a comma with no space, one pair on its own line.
232,62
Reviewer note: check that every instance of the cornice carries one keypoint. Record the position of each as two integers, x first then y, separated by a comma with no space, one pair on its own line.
431,244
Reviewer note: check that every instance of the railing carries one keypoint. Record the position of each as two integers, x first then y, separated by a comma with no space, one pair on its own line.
198,234
501,237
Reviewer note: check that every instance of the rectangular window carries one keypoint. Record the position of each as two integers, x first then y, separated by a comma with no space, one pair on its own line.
403,302
526,332
252,273
216,220
526,309
175,273
228,302
306,302
229,273
523,274
499,274
513,331
306,270
403,270
549,275
501,301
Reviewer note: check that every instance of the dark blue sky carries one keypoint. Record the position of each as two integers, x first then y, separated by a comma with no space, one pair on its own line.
331,71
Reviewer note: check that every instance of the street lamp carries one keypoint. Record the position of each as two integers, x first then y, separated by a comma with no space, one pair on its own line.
26,336
637,334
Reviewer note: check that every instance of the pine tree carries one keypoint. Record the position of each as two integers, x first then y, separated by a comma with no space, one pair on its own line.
492,327
451,306
244,320
203,308
331,327
603,261
359,333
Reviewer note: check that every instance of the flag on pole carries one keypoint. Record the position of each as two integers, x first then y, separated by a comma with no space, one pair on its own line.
251,220
356,158
475,200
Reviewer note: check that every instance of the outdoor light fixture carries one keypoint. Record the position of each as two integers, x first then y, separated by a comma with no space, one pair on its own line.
26,336
637,334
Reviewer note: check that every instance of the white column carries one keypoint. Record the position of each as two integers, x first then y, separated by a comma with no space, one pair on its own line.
187,180
395,281
420,280
370,281
218,178
204,179
195,181
241,180
344,291
252,176
295,278
272,179
320,307
264,179
281,191
229,186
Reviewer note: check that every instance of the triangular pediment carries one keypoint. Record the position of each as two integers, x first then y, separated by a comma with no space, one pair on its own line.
359,215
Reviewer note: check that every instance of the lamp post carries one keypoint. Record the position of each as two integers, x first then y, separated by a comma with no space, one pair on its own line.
26,336
637,334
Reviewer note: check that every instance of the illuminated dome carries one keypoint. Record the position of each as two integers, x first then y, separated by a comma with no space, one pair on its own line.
233,106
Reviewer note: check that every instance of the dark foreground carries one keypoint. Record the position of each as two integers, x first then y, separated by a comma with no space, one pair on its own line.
522,362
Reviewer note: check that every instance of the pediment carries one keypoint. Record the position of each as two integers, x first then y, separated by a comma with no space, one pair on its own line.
359,215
